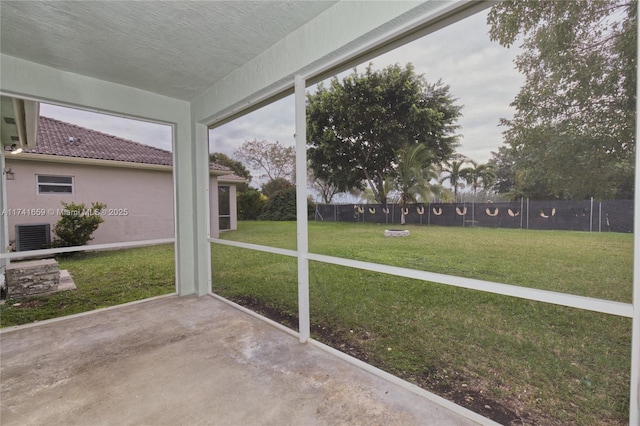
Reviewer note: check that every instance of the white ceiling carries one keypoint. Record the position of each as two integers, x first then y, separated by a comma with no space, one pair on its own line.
174,48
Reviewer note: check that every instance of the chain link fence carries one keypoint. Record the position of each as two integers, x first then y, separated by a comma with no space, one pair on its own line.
594,216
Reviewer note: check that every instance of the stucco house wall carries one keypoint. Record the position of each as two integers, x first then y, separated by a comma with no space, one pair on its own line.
139,201
134,180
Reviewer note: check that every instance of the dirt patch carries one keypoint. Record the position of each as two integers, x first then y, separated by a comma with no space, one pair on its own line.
453,386
330,336
263,309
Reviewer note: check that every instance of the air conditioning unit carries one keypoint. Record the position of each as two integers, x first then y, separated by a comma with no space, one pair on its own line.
33,236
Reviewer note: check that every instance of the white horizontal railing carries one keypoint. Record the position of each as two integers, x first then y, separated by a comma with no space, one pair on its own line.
96,247
563,299
268,249
552,297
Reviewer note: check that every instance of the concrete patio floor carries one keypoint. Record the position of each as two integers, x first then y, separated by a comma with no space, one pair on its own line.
191,361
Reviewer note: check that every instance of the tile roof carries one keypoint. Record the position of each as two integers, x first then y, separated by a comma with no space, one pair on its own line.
54,138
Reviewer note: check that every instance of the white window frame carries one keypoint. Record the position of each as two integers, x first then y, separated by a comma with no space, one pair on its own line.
39,184
224,216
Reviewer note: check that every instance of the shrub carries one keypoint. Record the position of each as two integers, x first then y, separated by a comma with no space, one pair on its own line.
77,224
282,206
250,204
276,185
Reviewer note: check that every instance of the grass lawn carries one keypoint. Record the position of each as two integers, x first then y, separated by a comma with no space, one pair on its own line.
102,279
512,360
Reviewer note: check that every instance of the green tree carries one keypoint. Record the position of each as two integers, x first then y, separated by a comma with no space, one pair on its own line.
236,166
280,206
411,176
503,163
454,173
275,185
250,204
77,224
365,196
573,133
480,175
323,188
354,126
275,159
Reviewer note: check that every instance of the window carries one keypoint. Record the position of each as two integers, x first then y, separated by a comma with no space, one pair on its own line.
54,184
224,207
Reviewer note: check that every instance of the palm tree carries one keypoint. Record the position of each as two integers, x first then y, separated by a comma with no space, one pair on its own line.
455,174
411,176
479,175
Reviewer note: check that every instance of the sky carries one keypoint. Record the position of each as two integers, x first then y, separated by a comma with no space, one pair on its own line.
480,73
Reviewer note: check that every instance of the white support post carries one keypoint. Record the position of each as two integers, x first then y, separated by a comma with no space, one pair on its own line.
191,174
301,209
4,221
202,219
634,398
591,216
184,253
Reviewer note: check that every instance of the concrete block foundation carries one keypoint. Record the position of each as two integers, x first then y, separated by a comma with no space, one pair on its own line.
32,278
